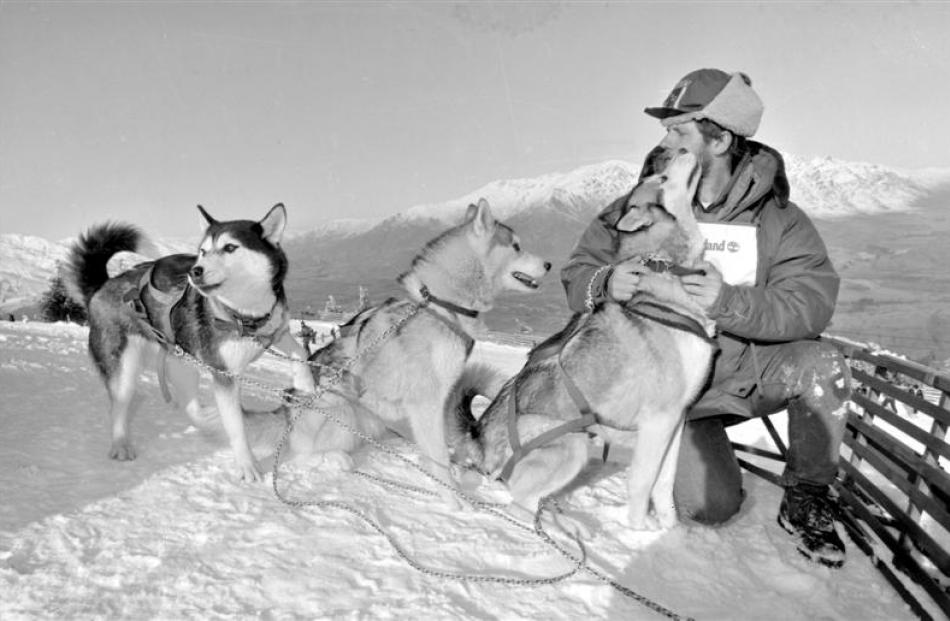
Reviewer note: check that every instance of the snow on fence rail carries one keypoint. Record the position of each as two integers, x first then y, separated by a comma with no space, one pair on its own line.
893,474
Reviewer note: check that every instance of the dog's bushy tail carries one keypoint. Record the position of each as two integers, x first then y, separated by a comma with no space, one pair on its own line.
85,270
462,430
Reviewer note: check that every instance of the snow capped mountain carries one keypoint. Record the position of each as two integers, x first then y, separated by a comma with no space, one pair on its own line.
571,193
26,264
830,188
546,207
823,186
344,227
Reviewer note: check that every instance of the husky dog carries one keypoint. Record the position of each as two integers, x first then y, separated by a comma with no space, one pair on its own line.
405,355
223,307
616,369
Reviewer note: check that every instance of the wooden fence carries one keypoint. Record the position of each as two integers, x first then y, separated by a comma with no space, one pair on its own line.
893,478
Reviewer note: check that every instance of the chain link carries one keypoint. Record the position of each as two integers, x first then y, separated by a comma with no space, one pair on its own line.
309,403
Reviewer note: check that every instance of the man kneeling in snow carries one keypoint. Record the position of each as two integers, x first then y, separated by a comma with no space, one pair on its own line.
771,289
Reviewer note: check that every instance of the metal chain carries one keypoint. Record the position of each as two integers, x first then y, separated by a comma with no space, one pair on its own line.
309,403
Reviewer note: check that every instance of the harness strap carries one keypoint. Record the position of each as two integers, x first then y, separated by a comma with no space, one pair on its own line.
571,426
587,418
163,374
671,319
462,334
137,299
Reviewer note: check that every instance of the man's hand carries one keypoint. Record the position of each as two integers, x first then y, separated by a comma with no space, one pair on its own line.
624,279
704,288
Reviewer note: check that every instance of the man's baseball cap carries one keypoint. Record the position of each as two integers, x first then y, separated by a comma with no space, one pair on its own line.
726,99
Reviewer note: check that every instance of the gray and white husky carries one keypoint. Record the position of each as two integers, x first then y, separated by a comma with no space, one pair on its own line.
223,306
624,371
401,370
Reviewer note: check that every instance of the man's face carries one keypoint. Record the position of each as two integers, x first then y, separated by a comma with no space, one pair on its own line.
685,136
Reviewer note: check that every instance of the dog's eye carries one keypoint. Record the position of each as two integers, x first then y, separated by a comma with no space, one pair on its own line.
201,252
516,246
229,248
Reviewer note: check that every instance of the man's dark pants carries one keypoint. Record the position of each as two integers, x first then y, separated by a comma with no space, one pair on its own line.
808,378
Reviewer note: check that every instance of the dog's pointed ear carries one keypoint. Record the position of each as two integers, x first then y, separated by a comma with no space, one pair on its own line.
274,222
207,216
634,220
481,217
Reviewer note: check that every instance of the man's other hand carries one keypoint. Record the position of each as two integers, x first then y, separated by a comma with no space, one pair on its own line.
704,288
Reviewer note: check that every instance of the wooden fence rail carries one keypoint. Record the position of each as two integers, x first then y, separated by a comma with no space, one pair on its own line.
894,475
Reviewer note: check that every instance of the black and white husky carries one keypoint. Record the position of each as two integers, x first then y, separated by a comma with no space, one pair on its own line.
223,306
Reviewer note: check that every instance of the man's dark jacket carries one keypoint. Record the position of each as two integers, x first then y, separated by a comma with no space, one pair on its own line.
795,290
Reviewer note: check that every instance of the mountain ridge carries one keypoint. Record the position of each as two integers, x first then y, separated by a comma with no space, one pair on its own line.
549,213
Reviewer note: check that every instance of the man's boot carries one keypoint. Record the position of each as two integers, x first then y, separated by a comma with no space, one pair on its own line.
808,512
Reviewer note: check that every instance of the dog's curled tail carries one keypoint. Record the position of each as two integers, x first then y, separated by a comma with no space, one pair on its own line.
85,269
462,430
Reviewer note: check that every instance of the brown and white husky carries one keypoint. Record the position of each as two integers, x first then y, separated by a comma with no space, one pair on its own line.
407,353
621,368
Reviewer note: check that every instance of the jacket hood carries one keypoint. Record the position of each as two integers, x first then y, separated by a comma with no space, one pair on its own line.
760,172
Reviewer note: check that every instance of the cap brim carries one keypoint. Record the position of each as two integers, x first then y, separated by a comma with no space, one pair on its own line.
663,113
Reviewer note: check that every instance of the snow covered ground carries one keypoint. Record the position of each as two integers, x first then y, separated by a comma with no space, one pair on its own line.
173,535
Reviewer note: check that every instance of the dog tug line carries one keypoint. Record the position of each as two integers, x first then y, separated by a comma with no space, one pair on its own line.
302,404
493,247
309,403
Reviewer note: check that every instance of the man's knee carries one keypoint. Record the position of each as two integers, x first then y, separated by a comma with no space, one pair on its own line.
708,485
816,372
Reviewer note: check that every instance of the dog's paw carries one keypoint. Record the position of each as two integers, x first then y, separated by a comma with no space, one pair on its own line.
249,471
645,523
666,519
452,501
121,450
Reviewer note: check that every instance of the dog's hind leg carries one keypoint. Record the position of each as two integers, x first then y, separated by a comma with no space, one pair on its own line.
121,383
302,375
428,430
654,441
184,381
547,469
227,396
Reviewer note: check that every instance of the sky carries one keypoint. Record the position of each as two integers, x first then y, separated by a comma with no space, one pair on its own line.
138,111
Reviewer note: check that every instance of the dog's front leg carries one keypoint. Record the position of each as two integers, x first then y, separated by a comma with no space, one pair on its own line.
227,396
662,496
301,374
654,440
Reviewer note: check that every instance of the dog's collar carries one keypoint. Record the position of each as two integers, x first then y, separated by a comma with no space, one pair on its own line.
247,325
428,298
663,266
